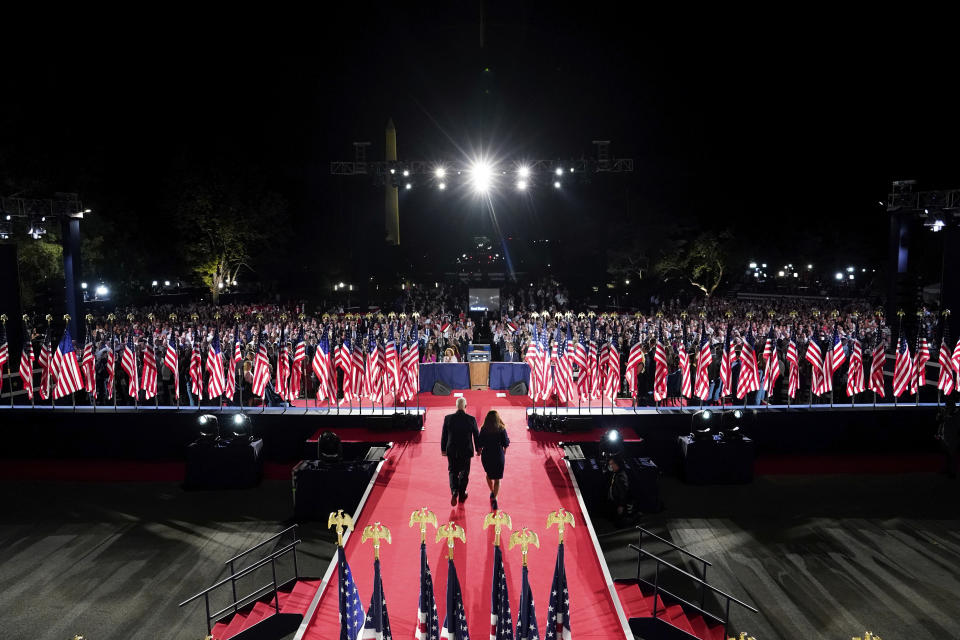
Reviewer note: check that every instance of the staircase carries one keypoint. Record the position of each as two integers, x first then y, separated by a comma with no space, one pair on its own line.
654,613
292,599
270,611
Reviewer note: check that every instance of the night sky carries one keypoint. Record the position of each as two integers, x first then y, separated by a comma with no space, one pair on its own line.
777,127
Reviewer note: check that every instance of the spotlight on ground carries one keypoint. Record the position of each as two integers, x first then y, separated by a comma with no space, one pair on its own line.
611,444
241,426
702,422
732,425
209,426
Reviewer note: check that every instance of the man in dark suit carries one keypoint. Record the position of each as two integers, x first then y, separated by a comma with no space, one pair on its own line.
459,441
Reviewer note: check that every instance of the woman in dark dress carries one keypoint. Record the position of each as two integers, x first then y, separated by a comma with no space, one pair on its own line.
493,443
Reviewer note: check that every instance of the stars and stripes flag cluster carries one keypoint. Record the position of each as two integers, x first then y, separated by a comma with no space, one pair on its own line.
111,366
726,364
749,379
946,381
236,357
532,359
428,623
545,386
855,381
660,371
351,610
611,382
296,370
455,619
771,362
564,370
903,372
171,360
128,362
148,377
391,374
196,367
593,365
377,623
558,612
501,620
527,616
409,369
283,367
876,367
66,368
88,366
634,360
216,384
26,368
374,377
580,359
357,372
920,365
704,360
343,359
261,368
793,361
683,359
838,355
815,357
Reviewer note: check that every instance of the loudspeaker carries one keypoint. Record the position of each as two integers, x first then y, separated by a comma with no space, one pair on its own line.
441,389
518,388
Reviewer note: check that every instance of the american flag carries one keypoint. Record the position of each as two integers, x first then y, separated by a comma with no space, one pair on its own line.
634,360
955,358
428,623
532,361
923,357
593,364
4,347
45,361
88,366
612,380
69,379
382,367
148,378
660,371
903,371
216,383
543,355
230,375
501,620
838,355
357,377
455,619
683,359
351,610
771,367
374,372
410,369
565,368
196,368
704,360
111,366
793,359
511,325
128,362
283,367
855,382
296,371
580,359
749,379
344,361
171,361
876,366
558,613
391,378
815,357
947,377
377,623
527,616
26,368
261,367
726,365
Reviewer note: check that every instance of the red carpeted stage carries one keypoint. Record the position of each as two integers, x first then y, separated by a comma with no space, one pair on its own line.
536,482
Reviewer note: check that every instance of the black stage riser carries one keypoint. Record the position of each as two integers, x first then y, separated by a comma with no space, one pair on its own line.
163,435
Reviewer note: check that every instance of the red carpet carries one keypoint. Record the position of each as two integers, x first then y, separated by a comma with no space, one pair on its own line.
535,483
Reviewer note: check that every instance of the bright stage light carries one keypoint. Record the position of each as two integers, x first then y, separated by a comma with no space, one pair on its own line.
408,186
524,172
440,172
937,225
558,171
166,283
83,285
154,283
102,290
521,185
481,176
406,173
839,276
393,171
556,185
442,186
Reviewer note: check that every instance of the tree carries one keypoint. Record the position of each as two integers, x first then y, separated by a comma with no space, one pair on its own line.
702,262
227,219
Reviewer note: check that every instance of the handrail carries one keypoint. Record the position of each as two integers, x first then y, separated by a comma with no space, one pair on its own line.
695,578
680,549
243,572
268,540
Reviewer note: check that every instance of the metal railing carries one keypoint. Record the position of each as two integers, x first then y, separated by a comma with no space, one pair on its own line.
272,586
657,590
703,563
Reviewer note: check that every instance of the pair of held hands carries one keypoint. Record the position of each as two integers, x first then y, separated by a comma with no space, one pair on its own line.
444,453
